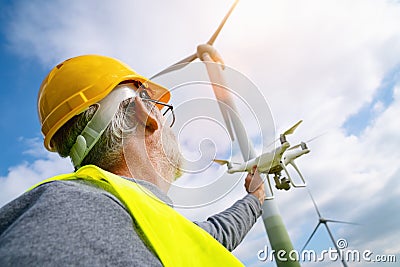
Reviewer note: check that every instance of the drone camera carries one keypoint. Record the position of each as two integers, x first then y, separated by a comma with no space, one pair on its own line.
285,183
282,183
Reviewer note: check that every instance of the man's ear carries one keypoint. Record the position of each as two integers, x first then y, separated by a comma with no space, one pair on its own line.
144,116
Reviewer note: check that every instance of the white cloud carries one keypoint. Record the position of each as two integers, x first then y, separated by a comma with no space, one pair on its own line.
320,61
21,177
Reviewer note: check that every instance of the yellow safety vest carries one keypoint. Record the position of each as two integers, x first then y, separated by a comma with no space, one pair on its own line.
176,240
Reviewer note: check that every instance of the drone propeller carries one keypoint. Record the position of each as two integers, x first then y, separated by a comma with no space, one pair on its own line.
287,132
303,145
221,161
184,62
293,128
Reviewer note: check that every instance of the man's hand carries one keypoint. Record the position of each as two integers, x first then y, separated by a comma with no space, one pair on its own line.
254,185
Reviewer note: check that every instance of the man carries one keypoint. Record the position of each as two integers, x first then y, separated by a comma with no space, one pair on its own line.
114,211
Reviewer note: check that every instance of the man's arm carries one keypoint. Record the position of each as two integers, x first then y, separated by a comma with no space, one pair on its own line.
231,226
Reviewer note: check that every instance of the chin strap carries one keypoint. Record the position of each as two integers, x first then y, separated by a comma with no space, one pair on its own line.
107,108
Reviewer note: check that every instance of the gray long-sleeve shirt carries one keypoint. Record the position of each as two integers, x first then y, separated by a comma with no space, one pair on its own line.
74,223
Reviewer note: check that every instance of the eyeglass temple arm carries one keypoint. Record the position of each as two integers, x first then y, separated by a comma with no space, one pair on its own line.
170,107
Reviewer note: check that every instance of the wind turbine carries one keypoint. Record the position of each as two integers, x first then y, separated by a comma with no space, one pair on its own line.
207,53
324,221
275,228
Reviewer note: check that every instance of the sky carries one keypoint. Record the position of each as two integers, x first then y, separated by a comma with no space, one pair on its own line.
333,64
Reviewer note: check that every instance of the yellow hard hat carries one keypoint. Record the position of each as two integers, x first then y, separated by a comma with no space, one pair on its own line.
77,83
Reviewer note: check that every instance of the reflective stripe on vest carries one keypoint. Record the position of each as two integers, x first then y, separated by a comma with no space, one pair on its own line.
176,240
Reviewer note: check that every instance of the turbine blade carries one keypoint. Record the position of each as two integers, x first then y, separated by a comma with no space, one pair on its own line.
315,204
227,119
344,222
335,243
178,65
331,236
293,128
221,25
190,58
309,239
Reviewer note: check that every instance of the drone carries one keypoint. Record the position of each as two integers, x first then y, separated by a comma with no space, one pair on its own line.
275,161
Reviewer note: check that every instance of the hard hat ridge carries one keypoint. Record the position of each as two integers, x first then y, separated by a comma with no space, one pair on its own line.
106,111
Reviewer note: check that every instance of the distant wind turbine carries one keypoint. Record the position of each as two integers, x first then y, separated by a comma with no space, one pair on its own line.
324,221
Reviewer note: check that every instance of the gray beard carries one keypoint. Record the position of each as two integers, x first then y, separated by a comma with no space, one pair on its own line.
171,155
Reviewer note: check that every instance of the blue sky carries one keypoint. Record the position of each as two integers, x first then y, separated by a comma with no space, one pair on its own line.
334,64
21,79
357,123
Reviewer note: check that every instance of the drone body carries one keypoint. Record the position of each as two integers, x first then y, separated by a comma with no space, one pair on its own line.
266,162
274,162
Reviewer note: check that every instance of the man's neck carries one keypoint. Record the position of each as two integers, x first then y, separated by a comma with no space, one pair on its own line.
145,173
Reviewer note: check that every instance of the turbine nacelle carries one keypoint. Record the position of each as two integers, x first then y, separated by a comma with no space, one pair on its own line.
212,52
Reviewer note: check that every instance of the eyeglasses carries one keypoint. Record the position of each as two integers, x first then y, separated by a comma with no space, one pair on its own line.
145,96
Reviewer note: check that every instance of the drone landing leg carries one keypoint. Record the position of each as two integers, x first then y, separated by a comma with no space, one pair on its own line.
290,178
301,176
